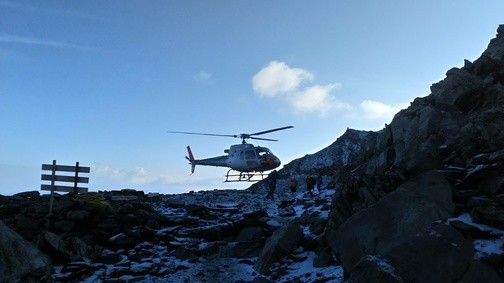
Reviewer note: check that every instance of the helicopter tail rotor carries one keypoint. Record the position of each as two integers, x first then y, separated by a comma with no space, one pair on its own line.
191,159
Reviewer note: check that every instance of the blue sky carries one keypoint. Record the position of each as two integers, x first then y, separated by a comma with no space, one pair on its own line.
100,82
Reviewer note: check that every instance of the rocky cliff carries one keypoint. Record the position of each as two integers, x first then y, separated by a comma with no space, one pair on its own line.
439,158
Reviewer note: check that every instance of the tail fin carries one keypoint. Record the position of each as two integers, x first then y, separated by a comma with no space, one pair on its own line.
191,159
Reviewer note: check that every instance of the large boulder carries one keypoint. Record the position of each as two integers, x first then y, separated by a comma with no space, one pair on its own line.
394,220
280,244
20,259
437,255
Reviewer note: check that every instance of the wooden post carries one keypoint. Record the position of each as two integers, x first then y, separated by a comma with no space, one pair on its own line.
75,192
53,178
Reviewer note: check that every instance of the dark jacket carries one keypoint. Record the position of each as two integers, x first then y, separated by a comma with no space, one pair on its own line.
272,178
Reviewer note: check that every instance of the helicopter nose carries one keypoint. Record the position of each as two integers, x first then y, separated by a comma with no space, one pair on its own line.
274,161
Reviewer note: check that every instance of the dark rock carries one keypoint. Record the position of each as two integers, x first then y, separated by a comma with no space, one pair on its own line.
64,225
471,231
376,269
258,214
485,179
28,195
123,241
280,244
77,215
453,254
490,213
288,211
197,210
183,254
174,202
108,257
324,259
125,208
129,219
247,249
19,258
248,234
309,243
23,222
261,279
409,210
482,272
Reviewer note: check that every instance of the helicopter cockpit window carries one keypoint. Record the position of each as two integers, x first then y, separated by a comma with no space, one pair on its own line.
263,154
262,151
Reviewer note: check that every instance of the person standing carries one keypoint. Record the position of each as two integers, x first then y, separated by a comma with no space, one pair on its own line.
319,182
293,185
272,180
310,183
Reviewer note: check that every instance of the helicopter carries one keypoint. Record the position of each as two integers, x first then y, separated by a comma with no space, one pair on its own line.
247,160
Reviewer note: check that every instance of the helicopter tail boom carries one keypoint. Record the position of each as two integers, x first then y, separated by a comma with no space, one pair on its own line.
219,161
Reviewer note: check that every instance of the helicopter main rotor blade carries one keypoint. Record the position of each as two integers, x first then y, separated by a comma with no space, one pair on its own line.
242,136
269,131
202,134
263,139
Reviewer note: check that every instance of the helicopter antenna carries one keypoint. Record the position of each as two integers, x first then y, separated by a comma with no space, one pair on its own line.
244,137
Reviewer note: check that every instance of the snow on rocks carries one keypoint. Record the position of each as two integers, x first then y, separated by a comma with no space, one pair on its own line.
206,236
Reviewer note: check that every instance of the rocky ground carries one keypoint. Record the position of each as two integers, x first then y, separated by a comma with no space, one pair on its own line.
195,237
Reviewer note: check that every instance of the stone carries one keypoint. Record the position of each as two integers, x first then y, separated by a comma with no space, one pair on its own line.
77,215
19,258
280,244
409,210
248,234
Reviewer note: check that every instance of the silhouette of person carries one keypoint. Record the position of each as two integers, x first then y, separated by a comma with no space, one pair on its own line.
272,180
310,183
319,182
293,185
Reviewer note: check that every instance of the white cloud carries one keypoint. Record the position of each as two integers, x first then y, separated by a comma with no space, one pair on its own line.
292,86
317,98
276,78
375,110
36,41
203,76
137,176
295,88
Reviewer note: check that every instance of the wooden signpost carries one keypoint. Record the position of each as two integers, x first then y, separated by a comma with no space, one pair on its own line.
54,178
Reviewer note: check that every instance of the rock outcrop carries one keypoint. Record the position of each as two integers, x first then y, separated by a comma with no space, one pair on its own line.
388,207
20,259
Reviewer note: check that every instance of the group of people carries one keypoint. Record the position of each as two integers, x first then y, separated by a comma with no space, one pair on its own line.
311,182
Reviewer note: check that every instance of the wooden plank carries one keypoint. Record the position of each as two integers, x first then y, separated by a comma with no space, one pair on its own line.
124,198
59,178
67,189
65,168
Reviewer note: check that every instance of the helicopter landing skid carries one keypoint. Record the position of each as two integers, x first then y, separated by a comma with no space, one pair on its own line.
244,176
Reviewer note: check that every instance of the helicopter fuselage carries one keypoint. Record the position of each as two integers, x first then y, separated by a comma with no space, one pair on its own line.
241,157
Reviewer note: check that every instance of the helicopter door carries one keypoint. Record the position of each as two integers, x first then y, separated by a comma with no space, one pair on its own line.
251,158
